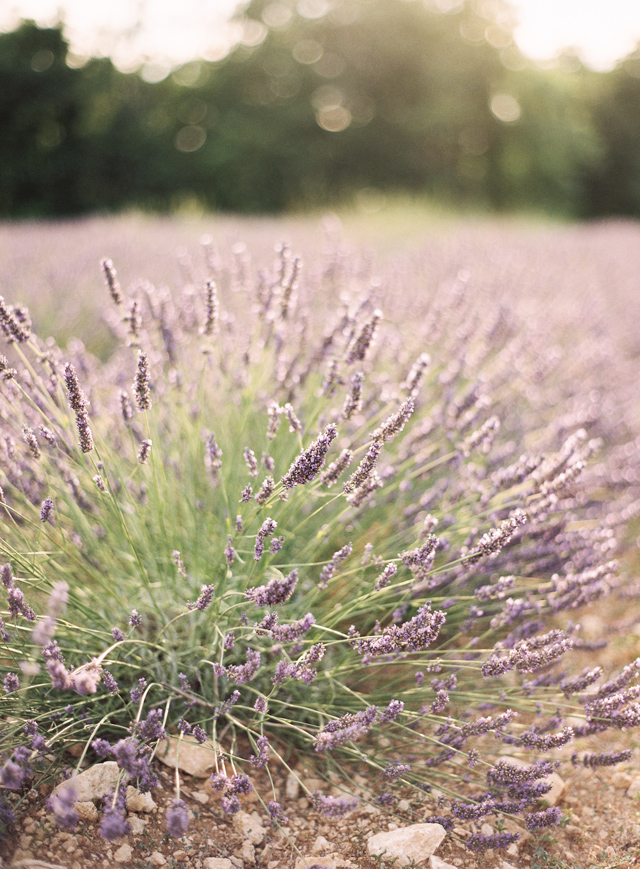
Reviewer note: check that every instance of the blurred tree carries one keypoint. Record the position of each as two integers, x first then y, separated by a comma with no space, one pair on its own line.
318,100
615,182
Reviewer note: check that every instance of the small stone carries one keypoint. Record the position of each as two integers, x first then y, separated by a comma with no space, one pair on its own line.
307,862
158,859
249,826
93,783
216,863
137,824
201,798
416,842
438,863
292,786
504,865
621,780
512,850
634,787
86,811
188,755
321,844
123,854
248,853
180,856
404,806
138,801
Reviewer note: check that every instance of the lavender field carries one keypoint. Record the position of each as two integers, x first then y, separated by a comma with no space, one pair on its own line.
353,495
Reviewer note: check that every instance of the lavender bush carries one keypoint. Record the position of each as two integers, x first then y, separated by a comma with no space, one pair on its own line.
274,517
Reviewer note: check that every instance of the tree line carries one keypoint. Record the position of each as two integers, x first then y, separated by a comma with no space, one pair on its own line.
317,101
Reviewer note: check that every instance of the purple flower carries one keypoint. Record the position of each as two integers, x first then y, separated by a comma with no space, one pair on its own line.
46,511
329,569
141,382
135,619
206,596
62,805
276,592
12,775
334,807
241,673
10,683
137,692
229,552
199,734
308,464
177,819
117,635
114,825
109,682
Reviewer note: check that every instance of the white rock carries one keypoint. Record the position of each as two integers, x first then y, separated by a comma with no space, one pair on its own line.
217,863
248,853
139,802
137,824
86,811
249,826
416,842
634,787
505,865
321,844
558,784
158,859
292,786
438,863
307,862
123,854
188,755
404,806
94,782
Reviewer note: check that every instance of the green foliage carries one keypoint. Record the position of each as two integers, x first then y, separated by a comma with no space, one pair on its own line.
306,111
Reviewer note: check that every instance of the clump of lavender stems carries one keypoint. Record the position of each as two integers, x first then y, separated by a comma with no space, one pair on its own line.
355,631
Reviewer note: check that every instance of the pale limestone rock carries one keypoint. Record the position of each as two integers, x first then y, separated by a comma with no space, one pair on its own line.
505,865
201,798
320,844
404,806
248,853
558,784
158,859
306,862
139,802
86,811
93,783
438,863
249,826
634,787
292,786
137,824
416,842
123,854
188,755
217,863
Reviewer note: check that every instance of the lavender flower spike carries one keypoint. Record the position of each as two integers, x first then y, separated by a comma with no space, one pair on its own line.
308,464
141,382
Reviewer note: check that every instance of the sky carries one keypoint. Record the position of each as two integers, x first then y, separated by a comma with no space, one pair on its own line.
175,31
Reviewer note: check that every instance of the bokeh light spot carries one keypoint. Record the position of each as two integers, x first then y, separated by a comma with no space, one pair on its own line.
190,138
505,108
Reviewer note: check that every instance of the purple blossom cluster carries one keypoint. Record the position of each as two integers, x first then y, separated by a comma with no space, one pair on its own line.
308,464
276,592
413,635
335,561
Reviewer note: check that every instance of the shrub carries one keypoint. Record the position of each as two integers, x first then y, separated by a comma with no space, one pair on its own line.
299,524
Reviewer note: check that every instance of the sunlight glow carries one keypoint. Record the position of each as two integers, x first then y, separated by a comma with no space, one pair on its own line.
174,31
